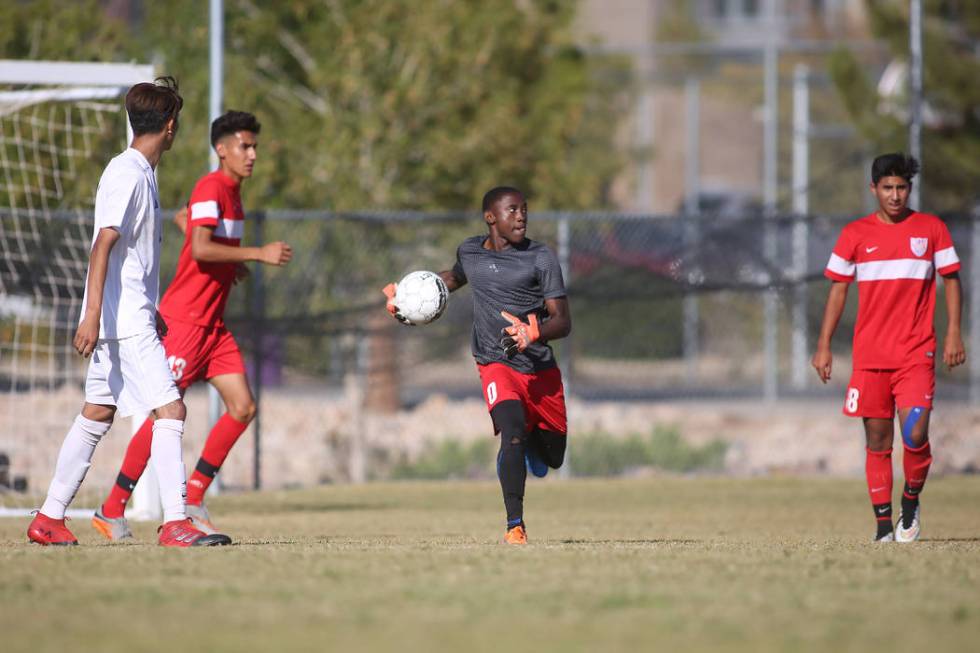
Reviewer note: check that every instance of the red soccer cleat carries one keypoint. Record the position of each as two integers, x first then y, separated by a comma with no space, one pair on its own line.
44,530
181,532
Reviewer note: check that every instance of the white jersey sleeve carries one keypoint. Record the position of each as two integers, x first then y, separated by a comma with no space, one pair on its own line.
114,202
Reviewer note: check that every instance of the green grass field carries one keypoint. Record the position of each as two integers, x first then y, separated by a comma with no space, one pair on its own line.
666,563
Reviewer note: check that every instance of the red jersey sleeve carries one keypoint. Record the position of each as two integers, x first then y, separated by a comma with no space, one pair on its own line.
841,266
204,208
945,259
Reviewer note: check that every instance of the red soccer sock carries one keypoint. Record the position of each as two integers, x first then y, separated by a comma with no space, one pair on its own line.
137,455
916,463
222,438
878,472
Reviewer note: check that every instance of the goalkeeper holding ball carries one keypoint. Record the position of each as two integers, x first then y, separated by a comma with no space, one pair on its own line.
519,304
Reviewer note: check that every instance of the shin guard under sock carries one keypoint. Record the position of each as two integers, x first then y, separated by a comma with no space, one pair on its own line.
133,466
74,459
916,463
222,438
513,475
878,473
169,467
510,424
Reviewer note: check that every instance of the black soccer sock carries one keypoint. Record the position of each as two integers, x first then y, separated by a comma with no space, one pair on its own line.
910,501
549,446
513,475
883,514
508,419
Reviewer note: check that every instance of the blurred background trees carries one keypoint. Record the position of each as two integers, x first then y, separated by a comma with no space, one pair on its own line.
369,104
951,134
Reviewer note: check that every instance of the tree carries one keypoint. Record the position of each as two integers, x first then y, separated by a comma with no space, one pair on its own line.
369,104
55,30
378,104
382,104
951,144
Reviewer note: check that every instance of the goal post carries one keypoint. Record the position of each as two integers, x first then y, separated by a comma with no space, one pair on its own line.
119,76
59,121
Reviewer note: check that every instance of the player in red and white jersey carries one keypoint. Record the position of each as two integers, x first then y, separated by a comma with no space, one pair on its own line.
198,345
893,255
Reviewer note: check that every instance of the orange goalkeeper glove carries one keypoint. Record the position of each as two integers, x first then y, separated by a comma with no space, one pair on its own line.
389,292
518,335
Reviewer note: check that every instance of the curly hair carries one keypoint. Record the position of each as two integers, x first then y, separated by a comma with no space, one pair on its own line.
896,164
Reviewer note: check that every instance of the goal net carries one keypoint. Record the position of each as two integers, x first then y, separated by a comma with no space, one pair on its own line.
60,123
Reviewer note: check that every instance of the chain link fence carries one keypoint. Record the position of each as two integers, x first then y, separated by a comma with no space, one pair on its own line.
663,306
665,309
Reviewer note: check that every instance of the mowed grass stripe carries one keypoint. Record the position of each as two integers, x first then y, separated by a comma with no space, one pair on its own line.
665,563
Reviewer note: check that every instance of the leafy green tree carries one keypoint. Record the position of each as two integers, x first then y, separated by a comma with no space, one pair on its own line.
381,104
367,104
951,148
56,30
52,30
370,104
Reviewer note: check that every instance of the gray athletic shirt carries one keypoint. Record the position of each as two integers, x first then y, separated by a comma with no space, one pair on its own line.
516,280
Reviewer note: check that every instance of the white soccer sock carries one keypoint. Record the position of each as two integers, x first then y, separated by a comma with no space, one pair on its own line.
169,466
74,460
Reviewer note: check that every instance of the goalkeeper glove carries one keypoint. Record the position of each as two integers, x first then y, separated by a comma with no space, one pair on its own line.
518,335
389,292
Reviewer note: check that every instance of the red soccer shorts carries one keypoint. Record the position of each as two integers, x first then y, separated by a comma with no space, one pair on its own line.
541,393
876,393
197,353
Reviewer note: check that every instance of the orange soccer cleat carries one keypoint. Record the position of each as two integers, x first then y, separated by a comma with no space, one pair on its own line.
516,535
113,529
44,530
181,533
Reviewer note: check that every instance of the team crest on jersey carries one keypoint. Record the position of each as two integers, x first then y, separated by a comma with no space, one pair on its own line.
919,245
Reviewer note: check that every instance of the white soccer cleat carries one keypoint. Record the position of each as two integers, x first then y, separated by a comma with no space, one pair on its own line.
886,538
910,534
199,516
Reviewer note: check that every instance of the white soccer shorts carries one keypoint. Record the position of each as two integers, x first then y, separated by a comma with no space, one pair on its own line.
131,374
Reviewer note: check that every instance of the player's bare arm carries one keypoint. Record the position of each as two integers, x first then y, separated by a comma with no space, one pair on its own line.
559,322
204,249
452,281
87,335
836,299
180,219
953,351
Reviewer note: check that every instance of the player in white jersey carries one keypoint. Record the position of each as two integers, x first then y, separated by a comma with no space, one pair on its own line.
119,327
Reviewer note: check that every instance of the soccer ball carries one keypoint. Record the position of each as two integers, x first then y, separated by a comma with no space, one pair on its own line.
421,297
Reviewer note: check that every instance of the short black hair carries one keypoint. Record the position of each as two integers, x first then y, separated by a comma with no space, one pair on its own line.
494,194
151,104
896,164
232,122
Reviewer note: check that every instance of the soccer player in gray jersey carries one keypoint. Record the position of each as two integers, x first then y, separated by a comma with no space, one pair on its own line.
519,305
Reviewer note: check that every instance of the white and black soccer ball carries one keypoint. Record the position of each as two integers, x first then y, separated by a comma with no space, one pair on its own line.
421,297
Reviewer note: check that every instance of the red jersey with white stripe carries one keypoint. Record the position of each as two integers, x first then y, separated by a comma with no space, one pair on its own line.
199,291
895,268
